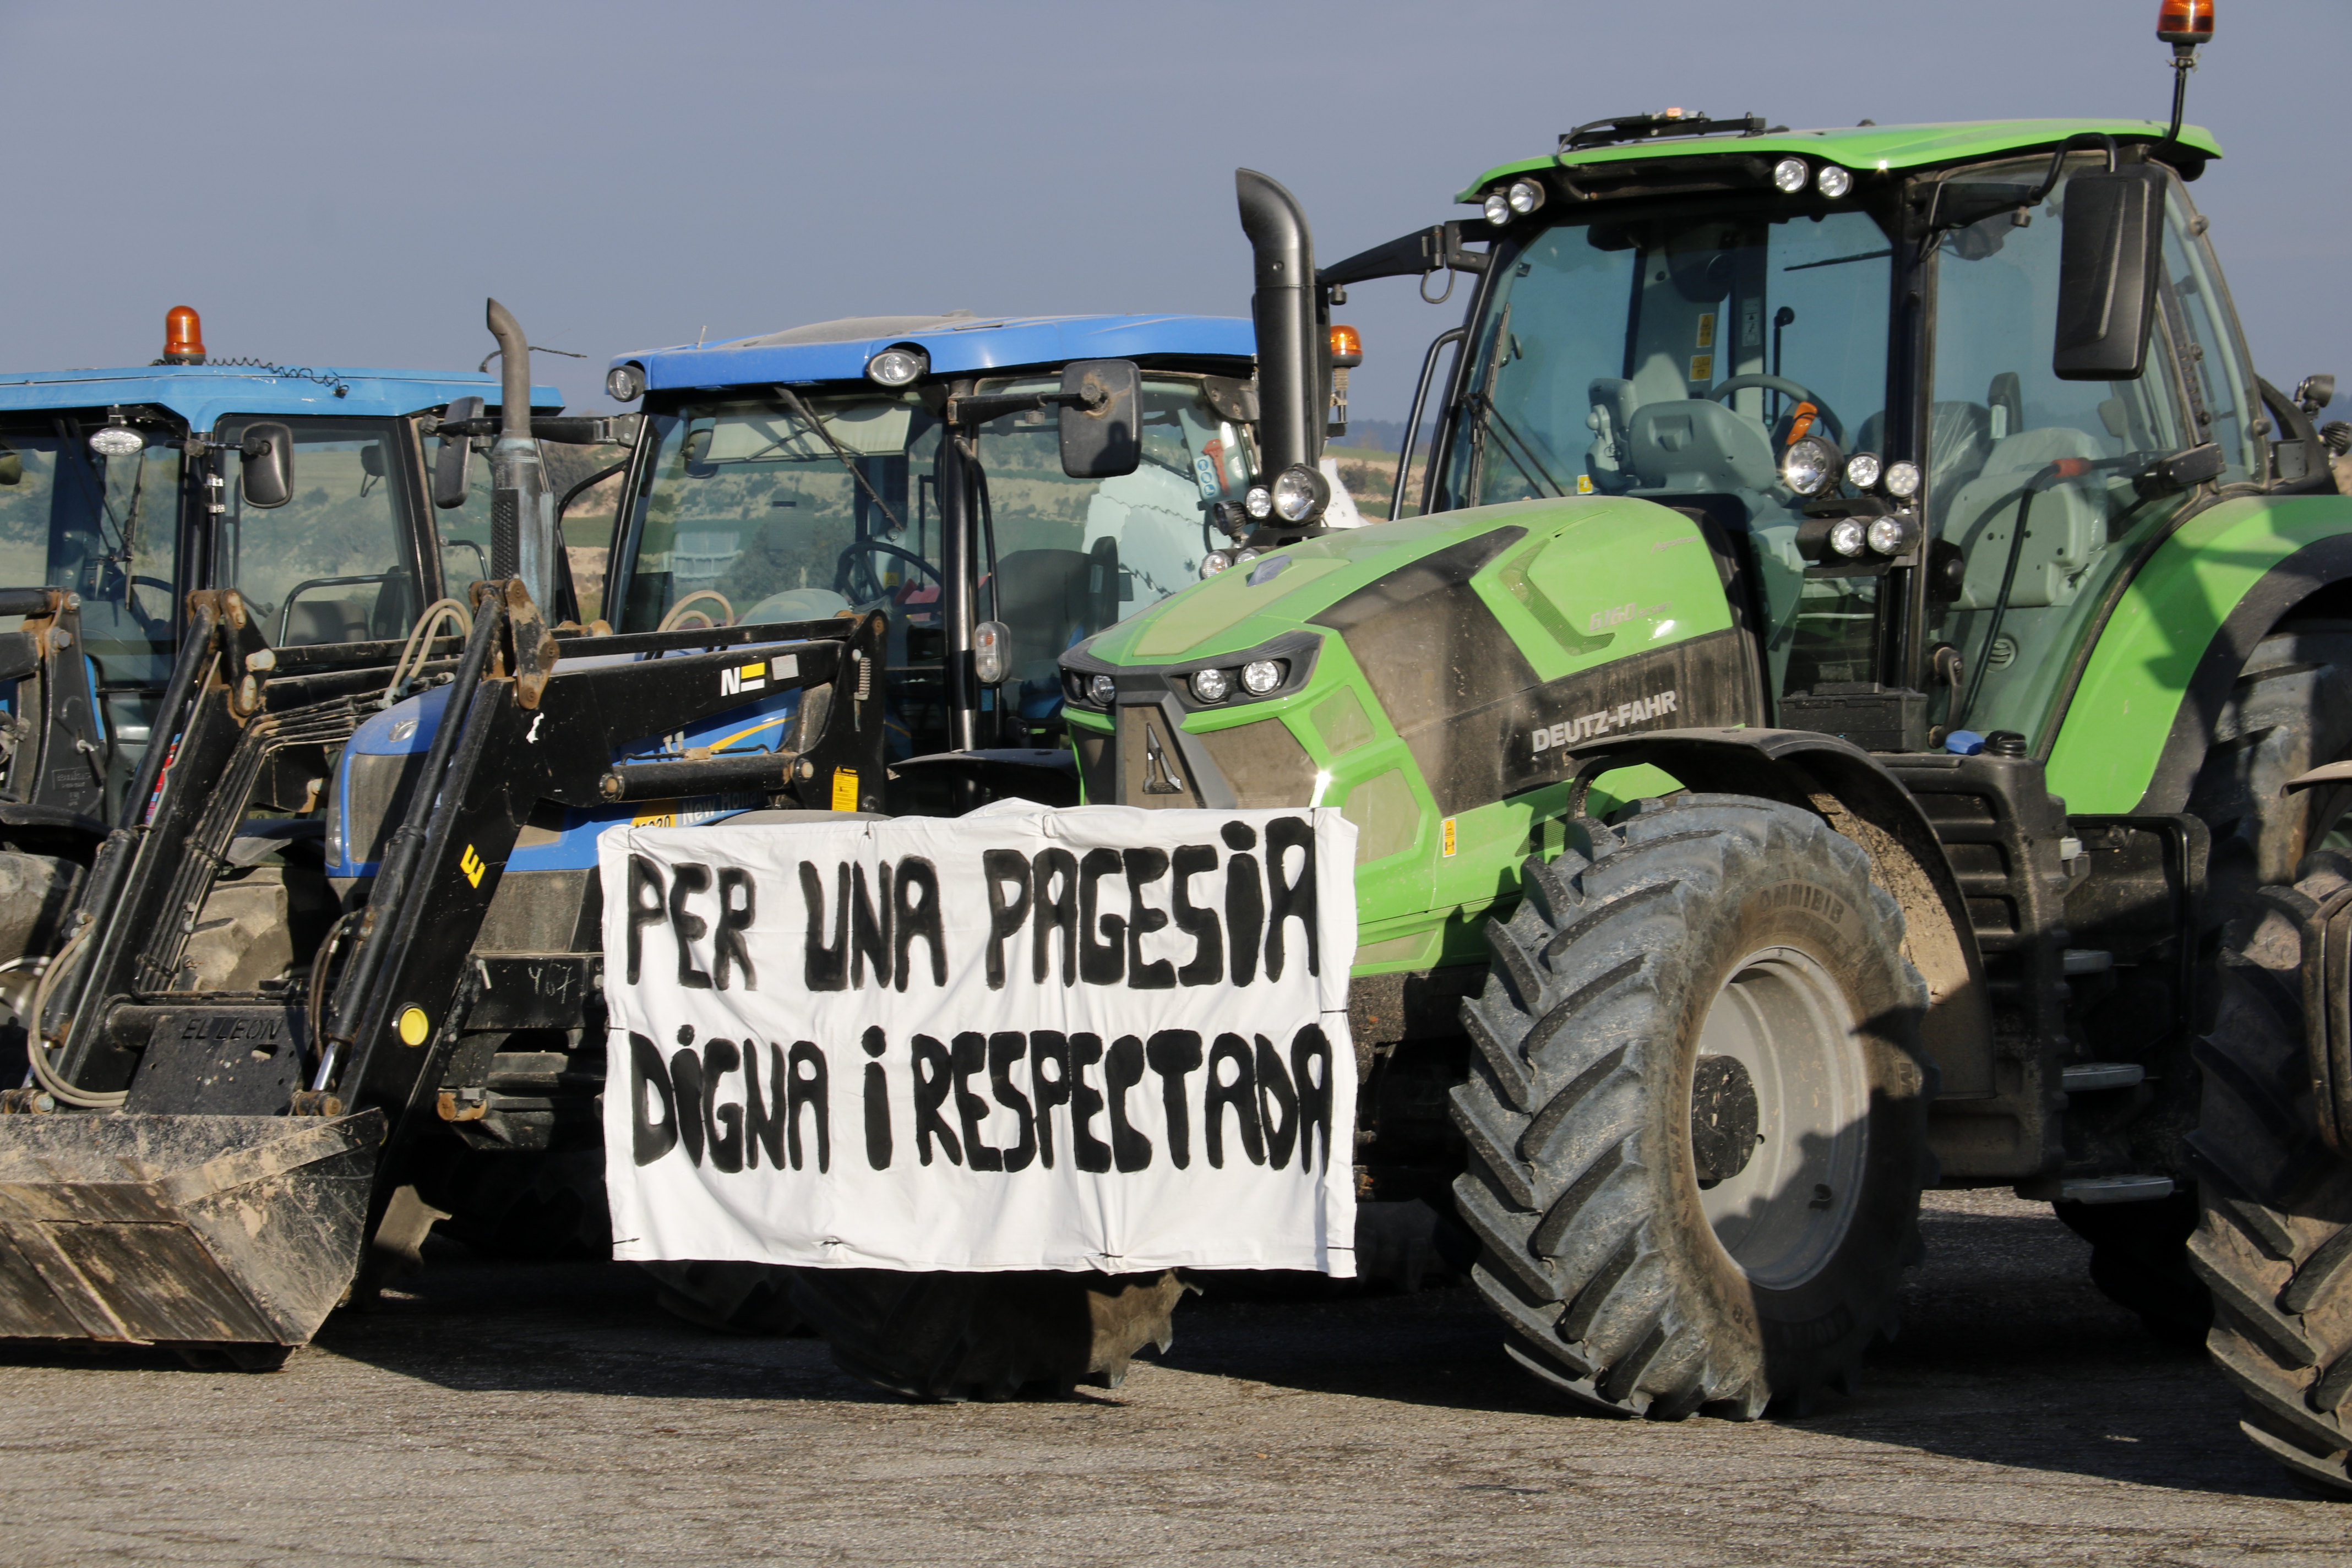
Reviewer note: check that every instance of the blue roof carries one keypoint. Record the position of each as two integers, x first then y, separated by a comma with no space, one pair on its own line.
959,343
201,393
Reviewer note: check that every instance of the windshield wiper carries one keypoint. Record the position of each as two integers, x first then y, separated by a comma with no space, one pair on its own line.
802,411
1838,260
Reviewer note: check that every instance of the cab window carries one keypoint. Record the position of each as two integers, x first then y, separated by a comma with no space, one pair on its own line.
2031,505
335,563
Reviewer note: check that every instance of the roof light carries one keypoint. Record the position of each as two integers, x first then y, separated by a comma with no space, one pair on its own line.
897,367
1525,196
1347,348
1498,208
184,336
2184,22
626,382
116,441
1834,181
1791,175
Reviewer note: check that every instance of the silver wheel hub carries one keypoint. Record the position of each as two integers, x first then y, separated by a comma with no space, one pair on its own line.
1780,1117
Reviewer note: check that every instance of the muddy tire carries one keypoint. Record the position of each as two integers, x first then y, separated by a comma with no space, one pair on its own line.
954,1337
2289,711
2274,1243
1696,1116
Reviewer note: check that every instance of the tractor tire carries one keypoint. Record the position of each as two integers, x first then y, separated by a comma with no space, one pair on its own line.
2274,1243
949,1337
732,1298
521,1204
2289,711
1696,1114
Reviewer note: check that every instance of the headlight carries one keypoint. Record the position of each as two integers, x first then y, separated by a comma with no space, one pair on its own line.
992,652
1791,175
1300,493
1260,676
1861,471
897,367
1523,196
1847,536
1102,689
1498,208
1243,557
1810,466
116,441
1834,181
1891,535
1902,480
1258,502
1212,685
1214,562
625,382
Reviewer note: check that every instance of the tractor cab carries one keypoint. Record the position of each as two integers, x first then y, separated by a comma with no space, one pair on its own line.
1935,389
123,491
921,467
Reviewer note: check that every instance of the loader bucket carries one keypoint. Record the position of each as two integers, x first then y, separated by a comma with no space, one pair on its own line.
222,1230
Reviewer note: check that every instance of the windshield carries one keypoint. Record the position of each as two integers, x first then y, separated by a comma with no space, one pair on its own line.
104,527
747,513
1672,355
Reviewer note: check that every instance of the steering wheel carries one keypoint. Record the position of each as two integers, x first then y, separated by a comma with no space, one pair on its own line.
1782,383
681,612
843,574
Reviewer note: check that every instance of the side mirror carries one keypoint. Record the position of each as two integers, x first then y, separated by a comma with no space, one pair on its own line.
267,470
453,464
2107,261
11,465
1102,422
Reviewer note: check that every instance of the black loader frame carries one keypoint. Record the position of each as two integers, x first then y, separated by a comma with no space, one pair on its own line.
205,1167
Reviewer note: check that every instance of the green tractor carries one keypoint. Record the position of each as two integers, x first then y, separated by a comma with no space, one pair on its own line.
1865,705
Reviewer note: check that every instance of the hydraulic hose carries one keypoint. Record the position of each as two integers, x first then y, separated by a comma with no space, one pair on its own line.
420,643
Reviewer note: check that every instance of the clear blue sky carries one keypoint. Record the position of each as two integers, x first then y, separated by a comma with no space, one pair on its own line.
344,184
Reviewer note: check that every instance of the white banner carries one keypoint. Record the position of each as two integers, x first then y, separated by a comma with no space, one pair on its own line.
1092,1039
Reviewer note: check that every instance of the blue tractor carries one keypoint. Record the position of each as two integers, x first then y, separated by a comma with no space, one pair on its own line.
309,491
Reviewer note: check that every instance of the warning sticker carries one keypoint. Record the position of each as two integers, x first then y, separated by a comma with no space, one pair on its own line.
1702,366
844,789
1706,330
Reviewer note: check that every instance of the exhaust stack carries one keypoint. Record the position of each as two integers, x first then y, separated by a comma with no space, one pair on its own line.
1290,347
522,513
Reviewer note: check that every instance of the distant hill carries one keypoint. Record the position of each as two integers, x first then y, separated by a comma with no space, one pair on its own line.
1384,434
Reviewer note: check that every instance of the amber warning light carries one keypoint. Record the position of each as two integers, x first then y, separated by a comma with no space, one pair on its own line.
184,336
1347,348
2188,22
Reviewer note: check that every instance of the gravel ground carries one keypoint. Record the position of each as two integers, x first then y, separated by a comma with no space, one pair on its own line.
551,1415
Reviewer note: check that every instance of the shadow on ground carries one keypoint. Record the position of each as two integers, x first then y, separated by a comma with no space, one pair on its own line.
2008,1356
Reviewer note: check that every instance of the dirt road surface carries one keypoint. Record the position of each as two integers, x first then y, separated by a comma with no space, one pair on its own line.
550,1415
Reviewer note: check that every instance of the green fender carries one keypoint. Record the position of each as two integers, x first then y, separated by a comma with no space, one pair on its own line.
2134,729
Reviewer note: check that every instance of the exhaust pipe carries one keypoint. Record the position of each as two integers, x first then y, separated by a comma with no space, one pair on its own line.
522,512
1290,352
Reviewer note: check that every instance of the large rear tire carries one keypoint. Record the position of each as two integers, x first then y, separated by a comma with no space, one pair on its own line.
2274,1243
954,1337
1696,1116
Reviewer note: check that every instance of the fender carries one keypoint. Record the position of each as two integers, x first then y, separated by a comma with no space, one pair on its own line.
2135,728
1855,795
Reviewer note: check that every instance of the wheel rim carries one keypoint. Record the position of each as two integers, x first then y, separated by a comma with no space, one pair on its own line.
1781,1025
